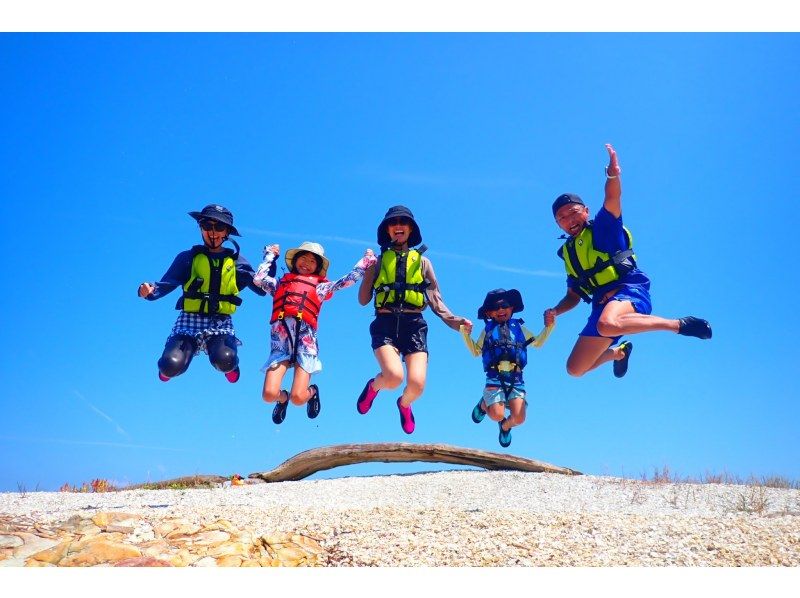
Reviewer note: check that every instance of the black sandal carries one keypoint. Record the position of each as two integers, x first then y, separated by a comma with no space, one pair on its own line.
279,412
313,406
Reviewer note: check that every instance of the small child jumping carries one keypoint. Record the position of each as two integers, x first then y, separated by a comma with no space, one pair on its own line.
211,276
503,345
297,300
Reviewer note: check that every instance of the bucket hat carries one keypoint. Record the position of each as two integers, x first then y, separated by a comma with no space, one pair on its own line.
510,297
565,199
414,238
310,247
218,213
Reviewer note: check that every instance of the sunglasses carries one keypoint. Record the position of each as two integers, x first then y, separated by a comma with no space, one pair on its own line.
209,225
395,221
501,305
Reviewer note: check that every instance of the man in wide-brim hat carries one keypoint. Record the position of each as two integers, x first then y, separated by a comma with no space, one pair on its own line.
211,277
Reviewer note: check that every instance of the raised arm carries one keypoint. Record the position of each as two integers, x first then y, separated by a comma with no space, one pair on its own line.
262,279
541,338
365,290
245,273
437,303
613,189
475,348
176,275
325,289
570,300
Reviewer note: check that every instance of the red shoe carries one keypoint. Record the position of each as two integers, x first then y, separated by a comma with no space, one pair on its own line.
406,417
366,397
162,377
233,375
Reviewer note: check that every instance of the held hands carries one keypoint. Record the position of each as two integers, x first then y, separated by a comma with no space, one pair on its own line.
146,289
274,249
550,316
467,324
612,170
368,259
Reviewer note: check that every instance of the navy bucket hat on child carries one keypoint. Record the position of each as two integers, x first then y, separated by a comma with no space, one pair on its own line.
218,213
565,199
501,298
414,238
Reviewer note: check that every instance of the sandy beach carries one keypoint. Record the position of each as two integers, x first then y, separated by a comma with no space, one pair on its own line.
453,518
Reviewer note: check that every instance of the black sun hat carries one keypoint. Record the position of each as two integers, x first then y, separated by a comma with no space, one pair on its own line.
218,213
414,238
499,297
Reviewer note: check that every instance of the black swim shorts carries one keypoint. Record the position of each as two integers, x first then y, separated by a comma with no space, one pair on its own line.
408,333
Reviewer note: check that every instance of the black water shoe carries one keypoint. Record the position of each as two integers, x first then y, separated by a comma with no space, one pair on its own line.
505,436
478,413
621,365
697,327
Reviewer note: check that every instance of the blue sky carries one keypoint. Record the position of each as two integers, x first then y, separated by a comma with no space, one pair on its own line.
110,139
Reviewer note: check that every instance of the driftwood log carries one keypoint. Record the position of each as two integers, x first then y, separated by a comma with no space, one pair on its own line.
304,464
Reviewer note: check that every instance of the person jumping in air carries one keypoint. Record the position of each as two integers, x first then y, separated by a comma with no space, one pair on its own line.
602,270
403,283
297,300
211,277
503,344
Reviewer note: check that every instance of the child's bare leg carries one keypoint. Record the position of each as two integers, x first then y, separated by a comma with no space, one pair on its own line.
496,412
391,374
417,371
272,382
517,417
300,392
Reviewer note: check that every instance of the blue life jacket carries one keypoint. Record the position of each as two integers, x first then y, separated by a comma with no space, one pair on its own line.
505,342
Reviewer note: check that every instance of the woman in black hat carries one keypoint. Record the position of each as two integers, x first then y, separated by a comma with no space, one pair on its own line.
211,277
401,284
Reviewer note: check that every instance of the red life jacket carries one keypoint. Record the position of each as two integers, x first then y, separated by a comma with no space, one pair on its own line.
296,297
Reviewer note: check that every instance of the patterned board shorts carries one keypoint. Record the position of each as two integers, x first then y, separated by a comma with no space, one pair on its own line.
201,327
282,339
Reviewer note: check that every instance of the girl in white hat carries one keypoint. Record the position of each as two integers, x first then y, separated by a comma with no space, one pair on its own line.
297,300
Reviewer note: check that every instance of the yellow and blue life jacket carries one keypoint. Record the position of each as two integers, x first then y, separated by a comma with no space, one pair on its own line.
211,288
591,268
505,342
400,282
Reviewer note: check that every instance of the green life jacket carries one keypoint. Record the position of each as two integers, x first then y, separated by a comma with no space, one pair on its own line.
400,282
592,268
211,288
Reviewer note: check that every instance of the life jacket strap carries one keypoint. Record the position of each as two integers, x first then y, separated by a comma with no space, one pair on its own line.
622,261
209,302
400,286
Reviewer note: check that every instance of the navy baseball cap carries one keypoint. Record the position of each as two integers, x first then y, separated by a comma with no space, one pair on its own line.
564,199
